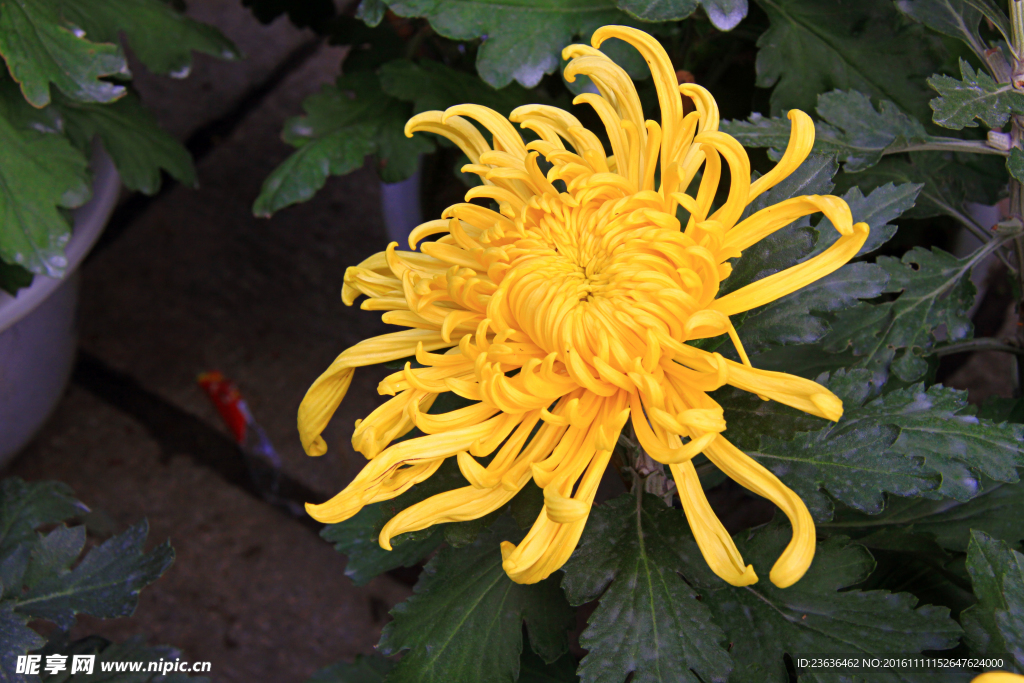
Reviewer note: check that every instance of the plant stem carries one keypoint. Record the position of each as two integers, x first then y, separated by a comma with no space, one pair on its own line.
950,145
1016,191
982,344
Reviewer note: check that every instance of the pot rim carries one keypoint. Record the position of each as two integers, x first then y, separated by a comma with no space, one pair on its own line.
90,219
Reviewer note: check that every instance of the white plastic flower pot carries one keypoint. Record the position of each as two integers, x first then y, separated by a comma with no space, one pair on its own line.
400,205
38,332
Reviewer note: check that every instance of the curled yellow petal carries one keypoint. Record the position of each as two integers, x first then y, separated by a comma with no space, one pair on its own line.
744,470
567,307
714,541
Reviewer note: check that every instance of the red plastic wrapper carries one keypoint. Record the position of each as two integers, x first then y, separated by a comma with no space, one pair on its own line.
251,438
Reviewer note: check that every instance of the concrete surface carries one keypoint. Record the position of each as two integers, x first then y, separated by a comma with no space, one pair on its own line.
196,283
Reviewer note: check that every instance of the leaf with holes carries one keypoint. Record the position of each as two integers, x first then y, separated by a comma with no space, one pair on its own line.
40,48
813,47
464,620
160,36
816,615
519,43
995,626
132,137
650,622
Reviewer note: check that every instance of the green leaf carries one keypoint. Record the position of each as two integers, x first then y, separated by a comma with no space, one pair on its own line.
334,138
816,615
106,583
430,85
13,278
813,47
976,96
533,669
934,290
659,10
788,245
910,442
357,539
1015,164
957,18
365,669
464,620
25,506
649,622
15,639
792,319
132,137
39,172
398,156
161,37
996,624
519,42
1001,409
850,127
40,48
54,554
948,182
996,510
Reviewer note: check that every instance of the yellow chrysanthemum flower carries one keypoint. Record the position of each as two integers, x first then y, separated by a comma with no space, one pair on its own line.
998,677
567,312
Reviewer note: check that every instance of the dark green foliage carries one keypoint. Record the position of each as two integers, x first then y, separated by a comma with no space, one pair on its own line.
996,509
814,47
130,134
464,622
934,290
40,173
46,576
996,624
41,47
816,616
162,38
976,96
649,622
850,127
909,442
518,43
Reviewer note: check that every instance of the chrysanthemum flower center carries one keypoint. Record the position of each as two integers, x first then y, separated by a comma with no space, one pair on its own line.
597,277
